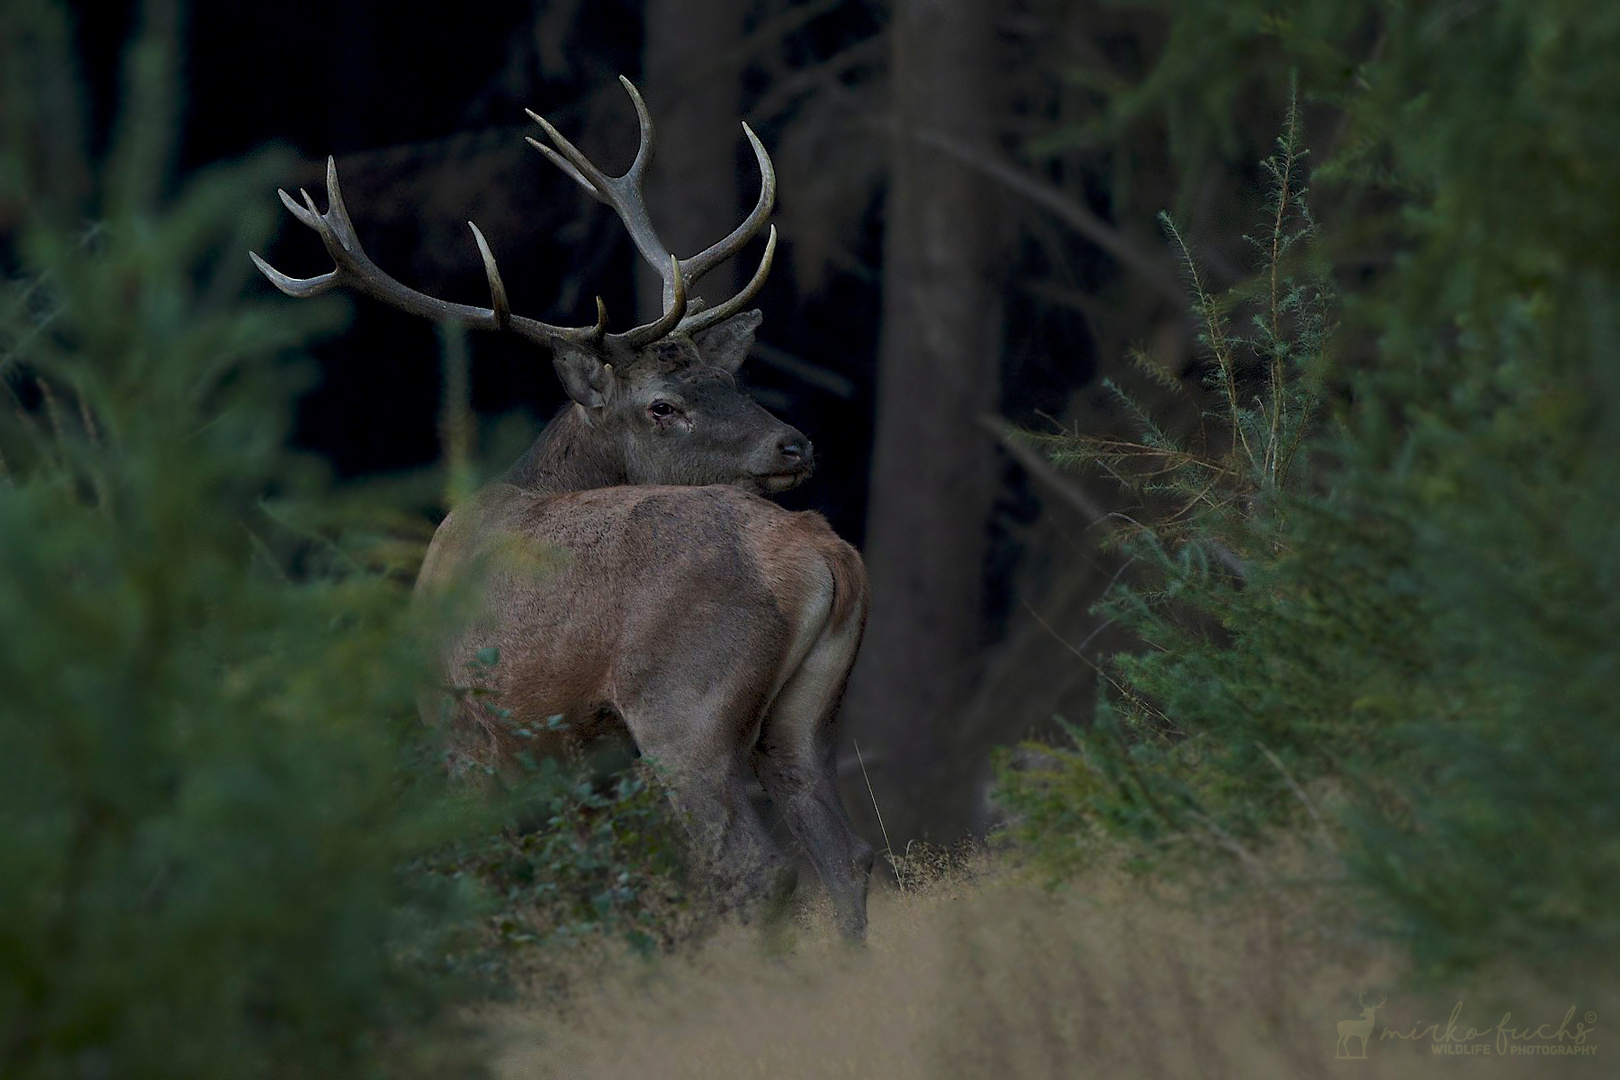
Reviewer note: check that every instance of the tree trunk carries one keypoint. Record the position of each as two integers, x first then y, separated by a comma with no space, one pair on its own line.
692,80
933,470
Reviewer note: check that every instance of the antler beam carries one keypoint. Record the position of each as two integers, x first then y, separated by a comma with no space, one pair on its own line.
356,270
625,195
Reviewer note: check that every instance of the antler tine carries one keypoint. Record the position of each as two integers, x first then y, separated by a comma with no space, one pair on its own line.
342,229
558,160
355,269
670,320
644,148
623,193
708,317
497,288
715,254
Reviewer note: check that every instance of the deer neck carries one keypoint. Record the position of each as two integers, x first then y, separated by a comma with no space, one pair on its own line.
568,456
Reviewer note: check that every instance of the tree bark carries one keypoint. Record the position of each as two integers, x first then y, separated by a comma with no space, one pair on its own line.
933,471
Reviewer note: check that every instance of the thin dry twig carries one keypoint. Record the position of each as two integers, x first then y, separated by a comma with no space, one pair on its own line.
51,411
818,77
1227,841
888,849
87,418
1127,251
806,371
1299,793
1101,673
1041,469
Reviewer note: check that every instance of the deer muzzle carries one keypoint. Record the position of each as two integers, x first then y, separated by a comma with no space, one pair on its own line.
794,461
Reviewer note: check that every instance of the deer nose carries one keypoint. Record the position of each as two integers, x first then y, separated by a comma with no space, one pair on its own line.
795,451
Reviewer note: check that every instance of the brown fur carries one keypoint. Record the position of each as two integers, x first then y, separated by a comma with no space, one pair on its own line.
633,587
849,581
563,630
686,618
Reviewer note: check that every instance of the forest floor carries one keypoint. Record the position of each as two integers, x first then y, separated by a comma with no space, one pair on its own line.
985,975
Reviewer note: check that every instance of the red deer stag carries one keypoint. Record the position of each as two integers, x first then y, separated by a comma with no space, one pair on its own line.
714,627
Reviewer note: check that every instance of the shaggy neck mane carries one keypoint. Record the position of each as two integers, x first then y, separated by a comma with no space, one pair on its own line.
566,458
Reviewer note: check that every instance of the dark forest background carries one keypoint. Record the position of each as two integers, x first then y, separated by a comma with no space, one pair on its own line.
1223,394
955,256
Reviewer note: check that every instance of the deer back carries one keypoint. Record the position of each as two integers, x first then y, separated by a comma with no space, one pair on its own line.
620,600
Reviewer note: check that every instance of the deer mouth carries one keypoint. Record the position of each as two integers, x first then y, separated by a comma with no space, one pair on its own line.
772,483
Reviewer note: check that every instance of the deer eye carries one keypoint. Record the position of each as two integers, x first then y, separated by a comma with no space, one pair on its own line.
661,410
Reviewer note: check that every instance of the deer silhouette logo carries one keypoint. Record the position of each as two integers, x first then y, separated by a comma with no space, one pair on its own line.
1356,1029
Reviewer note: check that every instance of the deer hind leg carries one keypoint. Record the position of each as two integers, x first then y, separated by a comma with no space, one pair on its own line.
704,778
797,764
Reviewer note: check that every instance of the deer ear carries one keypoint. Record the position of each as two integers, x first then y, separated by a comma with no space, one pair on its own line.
583,374
726,345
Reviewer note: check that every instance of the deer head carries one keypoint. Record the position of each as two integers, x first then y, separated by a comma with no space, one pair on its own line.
656,404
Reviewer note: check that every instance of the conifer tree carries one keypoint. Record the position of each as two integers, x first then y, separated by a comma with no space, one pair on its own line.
1415,638
211,771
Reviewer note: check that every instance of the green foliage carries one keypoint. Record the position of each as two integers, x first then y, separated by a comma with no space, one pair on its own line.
1264,346
1175,735
592,857
1415,639
211,771
229,844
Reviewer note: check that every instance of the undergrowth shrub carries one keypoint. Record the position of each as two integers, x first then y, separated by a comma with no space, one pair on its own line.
589,857
1405,640
1173,749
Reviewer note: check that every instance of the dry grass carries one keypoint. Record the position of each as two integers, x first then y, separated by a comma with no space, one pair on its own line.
982,976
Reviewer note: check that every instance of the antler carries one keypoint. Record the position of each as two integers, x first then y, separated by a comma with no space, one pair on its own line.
624,194
356,270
